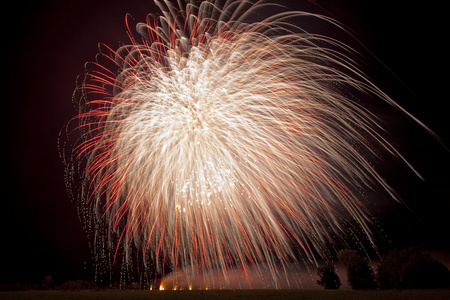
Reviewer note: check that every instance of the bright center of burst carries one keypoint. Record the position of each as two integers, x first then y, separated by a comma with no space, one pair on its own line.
194,114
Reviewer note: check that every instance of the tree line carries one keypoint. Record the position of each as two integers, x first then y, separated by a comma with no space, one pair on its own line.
408,268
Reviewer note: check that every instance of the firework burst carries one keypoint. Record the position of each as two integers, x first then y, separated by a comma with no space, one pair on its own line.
217,143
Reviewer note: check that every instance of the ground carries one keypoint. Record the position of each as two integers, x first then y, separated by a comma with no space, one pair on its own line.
231,294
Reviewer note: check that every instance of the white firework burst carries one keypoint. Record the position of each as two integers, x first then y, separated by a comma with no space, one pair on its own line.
214,142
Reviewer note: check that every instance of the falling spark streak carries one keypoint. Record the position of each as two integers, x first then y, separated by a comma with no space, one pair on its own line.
213,142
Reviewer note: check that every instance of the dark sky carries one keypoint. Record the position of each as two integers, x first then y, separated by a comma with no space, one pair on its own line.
46,43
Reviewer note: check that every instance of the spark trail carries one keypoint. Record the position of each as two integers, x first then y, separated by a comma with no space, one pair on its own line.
215,143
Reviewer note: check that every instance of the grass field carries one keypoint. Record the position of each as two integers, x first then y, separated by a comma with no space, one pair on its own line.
230,294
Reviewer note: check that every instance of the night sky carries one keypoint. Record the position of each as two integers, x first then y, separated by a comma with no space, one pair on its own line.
46,43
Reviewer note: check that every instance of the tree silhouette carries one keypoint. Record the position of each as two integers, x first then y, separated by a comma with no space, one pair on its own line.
328,277
359,273
410,268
